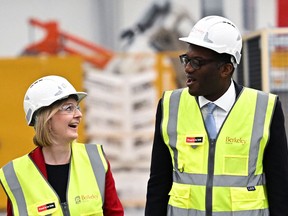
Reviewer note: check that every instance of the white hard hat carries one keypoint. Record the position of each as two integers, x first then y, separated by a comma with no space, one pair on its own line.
45,91
218,34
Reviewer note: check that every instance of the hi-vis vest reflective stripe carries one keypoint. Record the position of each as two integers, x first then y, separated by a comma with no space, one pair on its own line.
30,193
223,177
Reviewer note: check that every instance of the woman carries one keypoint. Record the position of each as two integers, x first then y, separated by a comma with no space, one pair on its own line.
60,176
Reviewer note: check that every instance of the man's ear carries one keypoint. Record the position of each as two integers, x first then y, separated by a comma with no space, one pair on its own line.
227,70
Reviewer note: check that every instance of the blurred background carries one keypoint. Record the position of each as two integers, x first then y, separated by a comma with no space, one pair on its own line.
124,53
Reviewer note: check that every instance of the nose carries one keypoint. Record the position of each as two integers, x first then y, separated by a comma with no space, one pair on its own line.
77,113
188,68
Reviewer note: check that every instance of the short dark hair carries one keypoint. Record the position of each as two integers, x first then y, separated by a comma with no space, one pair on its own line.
224,57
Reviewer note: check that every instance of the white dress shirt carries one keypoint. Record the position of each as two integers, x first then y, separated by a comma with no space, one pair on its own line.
224,104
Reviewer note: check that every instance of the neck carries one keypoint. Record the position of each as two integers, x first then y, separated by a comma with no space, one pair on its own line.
57,155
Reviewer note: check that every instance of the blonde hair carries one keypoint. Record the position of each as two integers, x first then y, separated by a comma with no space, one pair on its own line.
42,135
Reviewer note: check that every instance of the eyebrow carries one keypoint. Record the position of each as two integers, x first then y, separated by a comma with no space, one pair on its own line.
199,57
68,103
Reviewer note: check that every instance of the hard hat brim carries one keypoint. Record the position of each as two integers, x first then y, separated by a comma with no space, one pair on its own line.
215,48
202,44
81,96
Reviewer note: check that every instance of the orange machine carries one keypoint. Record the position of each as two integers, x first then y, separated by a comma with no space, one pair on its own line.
57,41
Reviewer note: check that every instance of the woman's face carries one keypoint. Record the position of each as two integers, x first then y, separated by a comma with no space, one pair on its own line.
64,123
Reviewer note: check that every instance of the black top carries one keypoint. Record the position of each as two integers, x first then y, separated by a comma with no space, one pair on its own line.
58,178
275,165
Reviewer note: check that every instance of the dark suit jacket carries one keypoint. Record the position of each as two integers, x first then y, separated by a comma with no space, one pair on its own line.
275,165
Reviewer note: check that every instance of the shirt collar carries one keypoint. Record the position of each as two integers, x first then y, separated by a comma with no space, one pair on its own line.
225,102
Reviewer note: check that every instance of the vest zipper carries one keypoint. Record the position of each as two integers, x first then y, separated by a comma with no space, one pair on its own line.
210,175
65,209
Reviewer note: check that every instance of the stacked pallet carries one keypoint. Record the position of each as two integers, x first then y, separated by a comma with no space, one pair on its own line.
120,115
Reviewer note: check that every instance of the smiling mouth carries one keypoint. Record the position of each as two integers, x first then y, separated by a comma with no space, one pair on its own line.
73,125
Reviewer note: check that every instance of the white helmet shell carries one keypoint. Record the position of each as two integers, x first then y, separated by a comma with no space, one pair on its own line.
45,91
218,34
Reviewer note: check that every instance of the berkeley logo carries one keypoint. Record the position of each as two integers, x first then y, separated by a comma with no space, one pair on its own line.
235,140
85,198
77,200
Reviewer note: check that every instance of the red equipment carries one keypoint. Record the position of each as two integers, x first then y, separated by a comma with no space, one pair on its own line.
57,41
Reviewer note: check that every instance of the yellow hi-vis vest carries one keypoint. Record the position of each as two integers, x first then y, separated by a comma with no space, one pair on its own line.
222,177
31,194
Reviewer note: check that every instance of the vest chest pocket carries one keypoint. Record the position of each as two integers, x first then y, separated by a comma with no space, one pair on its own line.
180,195
235,165
192,151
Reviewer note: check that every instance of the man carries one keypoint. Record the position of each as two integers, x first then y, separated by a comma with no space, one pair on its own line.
240,168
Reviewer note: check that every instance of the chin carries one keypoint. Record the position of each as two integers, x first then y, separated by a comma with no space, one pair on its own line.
193,92
73,137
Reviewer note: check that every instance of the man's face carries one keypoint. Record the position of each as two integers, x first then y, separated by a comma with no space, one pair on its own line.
204,73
